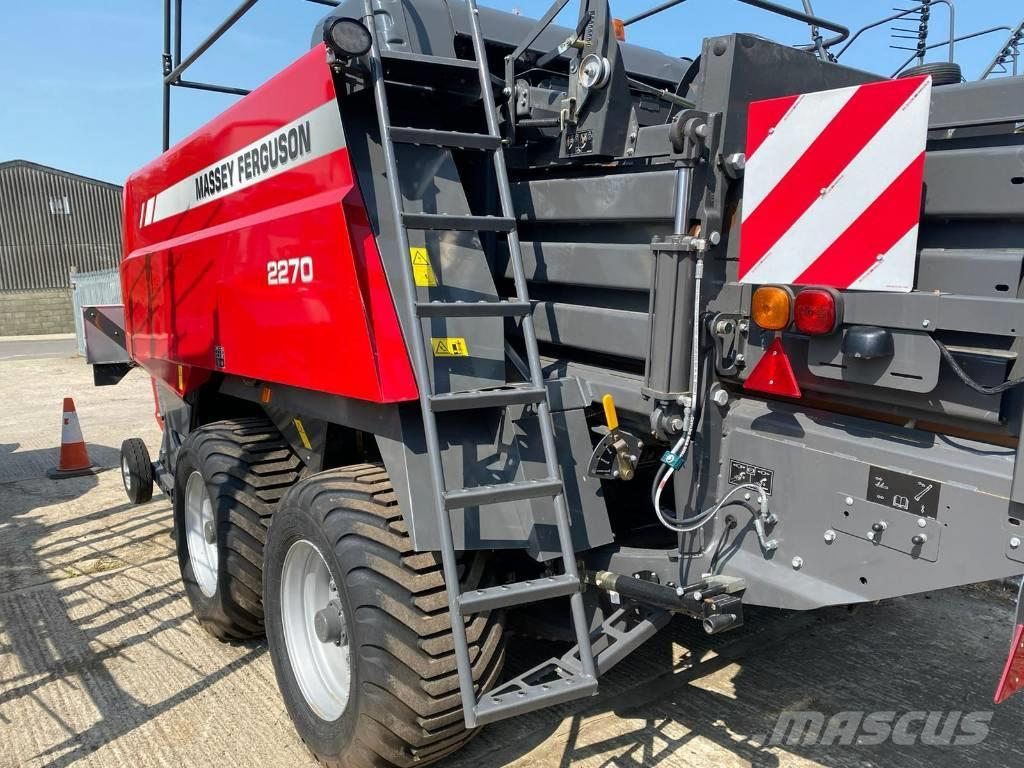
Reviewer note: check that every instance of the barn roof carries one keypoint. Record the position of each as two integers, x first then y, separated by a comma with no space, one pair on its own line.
56,172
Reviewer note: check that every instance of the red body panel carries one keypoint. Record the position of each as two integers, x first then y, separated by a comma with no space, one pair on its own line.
199,295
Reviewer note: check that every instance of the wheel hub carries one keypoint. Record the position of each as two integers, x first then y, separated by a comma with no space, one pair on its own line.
315,631
329,624
199,524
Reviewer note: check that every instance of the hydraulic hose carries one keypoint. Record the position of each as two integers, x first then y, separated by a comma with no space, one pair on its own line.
697,522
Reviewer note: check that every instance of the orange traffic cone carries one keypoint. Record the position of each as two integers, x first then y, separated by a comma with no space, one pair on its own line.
74,458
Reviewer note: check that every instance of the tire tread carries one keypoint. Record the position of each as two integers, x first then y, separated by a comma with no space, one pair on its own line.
411,706
252,467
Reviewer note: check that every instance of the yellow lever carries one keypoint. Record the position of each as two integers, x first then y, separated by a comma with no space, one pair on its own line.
610,416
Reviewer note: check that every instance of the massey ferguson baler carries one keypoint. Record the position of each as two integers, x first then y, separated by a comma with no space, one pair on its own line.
462,314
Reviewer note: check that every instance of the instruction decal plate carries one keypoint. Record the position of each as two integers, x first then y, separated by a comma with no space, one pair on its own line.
449,347
741,473
422,270
907,493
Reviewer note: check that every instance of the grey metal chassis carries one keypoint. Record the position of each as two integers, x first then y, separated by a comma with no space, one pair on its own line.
821,459
587,230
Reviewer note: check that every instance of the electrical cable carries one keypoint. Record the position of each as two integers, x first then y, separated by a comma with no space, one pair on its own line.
697,522
966,379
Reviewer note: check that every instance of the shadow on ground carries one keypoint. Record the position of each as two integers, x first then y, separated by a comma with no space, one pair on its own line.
101,664
26,464
689,699
80,593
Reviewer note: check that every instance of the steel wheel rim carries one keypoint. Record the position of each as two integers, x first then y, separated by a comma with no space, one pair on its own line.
126,474
201,553
322,670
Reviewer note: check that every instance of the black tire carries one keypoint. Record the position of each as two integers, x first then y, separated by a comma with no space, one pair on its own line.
136,471
247,467
942,72
404,705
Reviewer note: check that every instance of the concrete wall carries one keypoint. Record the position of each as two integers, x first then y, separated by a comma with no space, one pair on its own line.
24,313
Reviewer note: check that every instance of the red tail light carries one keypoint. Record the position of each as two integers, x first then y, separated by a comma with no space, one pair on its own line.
816,311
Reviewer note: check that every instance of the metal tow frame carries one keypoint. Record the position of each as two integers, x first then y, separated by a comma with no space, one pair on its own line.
1008,54
174,65
896,16
556,7
841,32
957,39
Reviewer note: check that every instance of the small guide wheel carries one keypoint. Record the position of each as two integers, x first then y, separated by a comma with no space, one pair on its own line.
136,471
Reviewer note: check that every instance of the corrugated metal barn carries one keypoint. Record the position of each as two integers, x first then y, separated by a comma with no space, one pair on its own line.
50,222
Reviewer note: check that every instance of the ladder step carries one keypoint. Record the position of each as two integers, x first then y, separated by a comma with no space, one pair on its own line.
518,593
453,139
518,696
473,308
492,494
487,398
442,74
458,223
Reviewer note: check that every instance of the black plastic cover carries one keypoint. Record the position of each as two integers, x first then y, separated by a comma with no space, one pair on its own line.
867,342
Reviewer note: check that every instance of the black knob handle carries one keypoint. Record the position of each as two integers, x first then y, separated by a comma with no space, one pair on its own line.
878,527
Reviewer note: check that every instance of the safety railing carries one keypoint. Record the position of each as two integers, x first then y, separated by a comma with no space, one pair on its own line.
175,65
1006,60
806,16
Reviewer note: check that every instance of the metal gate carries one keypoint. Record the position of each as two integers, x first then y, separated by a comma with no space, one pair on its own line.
90,289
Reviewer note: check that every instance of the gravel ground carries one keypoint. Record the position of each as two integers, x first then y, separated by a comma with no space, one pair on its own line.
102,665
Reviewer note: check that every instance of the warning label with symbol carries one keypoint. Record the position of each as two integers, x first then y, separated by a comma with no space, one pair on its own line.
422,272
449,347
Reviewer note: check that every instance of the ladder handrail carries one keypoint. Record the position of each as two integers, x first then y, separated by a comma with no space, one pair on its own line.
418,352
530,343
444,498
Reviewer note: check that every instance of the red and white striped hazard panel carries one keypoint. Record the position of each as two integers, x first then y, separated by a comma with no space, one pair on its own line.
832,188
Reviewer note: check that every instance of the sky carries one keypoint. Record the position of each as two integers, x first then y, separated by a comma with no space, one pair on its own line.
80,79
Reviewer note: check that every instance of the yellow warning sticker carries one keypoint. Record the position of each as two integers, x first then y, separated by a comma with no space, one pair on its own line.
302,434
181,378
422,271
449,347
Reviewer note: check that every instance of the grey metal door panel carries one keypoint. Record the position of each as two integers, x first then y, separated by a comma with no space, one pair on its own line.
975,182
822,464
618,266
624,197
492,449
914,366
594,328
984,102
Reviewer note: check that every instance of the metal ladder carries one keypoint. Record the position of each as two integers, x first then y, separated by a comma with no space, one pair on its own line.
555,681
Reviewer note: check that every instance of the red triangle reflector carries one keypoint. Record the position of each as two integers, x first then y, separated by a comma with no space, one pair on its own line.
773,373
1013,675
